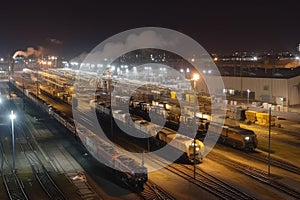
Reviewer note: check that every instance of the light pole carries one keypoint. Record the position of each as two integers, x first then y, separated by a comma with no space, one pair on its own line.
37,83
195,79
281,99
269,144
23,86
183,73
12,116
248,93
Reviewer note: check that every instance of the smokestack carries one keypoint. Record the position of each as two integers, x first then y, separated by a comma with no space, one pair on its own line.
30,51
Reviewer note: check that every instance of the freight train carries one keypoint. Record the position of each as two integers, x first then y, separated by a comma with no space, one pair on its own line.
127,169
235,136
130,171
191,149
166,114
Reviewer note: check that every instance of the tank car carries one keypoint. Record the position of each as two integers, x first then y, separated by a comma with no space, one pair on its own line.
163,136
193,149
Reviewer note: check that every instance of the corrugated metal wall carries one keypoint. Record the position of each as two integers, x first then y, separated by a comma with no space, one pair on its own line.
264,88
294,90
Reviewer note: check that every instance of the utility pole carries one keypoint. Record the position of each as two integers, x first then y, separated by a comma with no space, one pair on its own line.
12,117
194,158
269,143
37,83
23,85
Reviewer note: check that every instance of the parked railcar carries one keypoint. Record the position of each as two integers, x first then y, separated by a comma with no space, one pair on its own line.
193,150
169,115
236,137
126,168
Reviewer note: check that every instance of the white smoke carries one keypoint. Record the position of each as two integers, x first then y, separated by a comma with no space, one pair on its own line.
55,41
133,41
29,52
79,58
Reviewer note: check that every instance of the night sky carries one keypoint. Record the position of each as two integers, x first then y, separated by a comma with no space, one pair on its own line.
68,29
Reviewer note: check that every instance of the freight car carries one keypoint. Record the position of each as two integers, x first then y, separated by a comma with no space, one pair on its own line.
126,168
169,115
192,150
235,136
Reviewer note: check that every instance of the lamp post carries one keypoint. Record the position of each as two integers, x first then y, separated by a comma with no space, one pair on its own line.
282,99
248,93
269,144
23,86
148,73
195,79
37,83
12,116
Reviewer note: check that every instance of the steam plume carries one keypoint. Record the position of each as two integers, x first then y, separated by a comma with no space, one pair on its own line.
30,51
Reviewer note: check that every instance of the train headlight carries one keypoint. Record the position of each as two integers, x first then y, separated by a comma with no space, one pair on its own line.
247,138
197,149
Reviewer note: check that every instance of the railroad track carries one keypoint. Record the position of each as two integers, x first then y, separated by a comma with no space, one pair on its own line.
206,181
12,183
41,173
276,162
154,192
209,183
84,190
254,173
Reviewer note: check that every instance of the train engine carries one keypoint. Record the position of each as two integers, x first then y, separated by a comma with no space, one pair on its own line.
236,136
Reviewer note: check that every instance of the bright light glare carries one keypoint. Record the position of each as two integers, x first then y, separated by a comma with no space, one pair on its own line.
12,116
196,77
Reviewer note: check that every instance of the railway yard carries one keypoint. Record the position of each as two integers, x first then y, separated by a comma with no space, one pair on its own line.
55,160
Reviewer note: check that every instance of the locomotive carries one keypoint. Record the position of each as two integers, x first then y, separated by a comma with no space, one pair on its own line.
235,136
